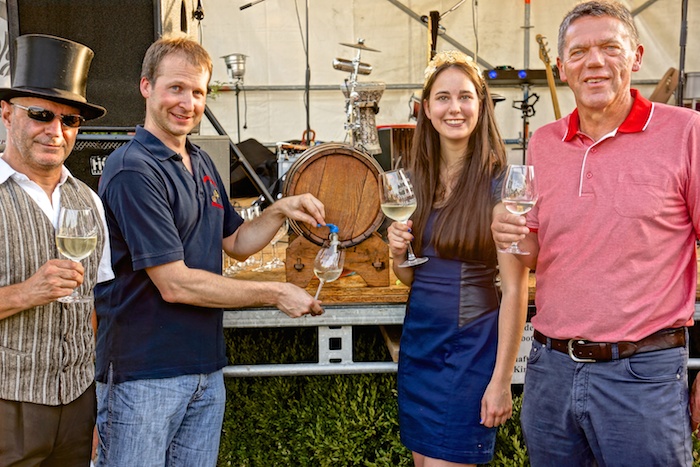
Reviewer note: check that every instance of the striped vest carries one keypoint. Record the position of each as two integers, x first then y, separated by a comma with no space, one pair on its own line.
47,352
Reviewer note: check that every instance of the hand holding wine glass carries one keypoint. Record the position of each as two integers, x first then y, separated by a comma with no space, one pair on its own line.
76,239
519,195
328,266
398,203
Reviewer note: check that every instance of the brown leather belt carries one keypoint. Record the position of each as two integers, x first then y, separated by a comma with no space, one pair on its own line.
581,350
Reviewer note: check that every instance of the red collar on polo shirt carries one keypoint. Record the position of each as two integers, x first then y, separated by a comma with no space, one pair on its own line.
636,121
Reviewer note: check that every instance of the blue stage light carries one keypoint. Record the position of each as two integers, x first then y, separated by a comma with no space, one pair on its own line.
493,74
522,74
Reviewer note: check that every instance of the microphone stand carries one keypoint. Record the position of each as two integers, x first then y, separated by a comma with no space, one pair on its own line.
248,5
452,9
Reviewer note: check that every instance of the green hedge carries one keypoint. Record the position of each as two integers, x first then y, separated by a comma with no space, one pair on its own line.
309,420
338,420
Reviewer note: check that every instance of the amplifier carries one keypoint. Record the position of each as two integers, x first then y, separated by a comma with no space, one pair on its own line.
89,155
91,151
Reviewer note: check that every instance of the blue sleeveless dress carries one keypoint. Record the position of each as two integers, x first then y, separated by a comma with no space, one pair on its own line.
447,356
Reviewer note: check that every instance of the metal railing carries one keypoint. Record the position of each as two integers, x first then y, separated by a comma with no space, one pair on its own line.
334,338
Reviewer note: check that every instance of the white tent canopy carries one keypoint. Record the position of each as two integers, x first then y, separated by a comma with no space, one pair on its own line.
270,33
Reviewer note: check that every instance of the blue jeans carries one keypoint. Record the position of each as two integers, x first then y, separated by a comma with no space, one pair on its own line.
632,411
161,422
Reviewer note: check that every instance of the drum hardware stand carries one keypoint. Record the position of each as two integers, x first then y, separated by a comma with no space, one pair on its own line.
352,120
353,106
528,110
352,123
240,158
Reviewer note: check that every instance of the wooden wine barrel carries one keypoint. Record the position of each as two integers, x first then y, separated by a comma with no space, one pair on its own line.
345,181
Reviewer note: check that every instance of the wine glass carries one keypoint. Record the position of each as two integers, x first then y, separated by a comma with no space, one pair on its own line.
519,195
253,212
398,203
76,238
276,262
328,265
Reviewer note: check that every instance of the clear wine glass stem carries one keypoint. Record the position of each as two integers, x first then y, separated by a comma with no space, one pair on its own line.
411,255
318,291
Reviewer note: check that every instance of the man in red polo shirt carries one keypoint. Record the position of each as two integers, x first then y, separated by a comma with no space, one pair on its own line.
613,244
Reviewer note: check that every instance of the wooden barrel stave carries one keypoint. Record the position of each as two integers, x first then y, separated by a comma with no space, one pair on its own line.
345,181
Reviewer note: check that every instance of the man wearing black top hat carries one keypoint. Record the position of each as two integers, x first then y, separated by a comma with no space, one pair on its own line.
47,394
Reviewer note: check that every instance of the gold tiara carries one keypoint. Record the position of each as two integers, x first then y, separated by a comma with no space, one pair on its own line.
450,57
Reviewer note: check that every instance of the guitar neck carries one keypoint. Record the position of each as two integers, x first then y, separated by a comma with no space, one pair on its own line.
553,91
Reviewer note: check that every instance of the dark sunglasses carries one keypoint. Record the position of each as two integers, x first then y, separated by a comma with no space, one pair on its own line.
43,115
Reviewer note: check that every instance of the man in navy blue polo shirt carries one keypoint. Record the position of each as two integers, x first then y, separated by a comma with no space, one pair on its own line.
160,346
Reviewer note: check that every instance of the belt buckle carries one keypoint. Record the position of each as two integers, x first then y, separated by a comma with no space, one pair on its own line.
570,346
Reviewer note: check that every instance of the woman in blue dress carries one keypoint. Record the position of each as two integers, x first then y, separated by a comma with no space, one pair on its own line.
461,333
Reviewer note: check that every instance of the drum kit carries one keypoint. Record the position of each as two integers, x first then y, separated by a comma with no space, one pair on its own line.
361,100
361,106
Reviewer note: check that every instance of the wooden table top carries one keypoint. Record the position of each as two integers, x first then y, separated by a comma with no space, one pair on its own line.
349,288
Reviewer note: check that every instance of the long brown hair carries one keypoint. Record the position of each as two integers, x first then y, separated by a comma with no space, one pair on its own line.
462,227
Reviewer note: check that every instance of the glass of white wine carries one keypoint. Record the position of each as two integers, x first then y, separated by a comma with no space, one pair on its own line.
76,239
328,266
519,195
398,203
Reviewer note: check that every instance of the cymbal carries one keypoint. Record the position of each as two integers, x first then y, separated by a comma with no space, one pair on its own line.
361,46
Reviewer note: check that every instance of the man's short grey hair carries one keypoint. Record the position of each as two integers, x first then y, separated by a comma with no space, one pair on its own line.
598,8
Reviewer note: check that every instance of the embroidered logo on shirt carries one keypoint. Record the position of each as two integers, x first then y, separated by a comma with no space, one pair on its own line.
215,199
216,196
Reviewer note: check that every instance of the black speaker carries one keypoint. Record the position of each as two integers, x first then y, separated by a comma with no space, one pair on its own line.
89,155
118,31
87,160
263,161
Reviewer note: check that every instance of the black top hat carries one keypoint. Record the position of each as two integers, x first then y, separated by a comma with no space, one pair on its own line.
55,69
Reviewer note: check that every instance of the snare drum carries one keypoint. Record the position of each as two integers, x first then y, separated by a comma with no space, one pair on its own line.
366,106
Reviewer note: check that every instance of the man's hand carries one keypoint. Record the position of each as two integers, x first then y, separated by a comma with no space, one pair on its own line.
507,228
295,302
304,208
54,279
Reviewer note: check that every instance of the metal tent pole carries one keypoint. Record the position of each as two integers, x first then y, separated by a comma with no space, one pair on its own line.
681,65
